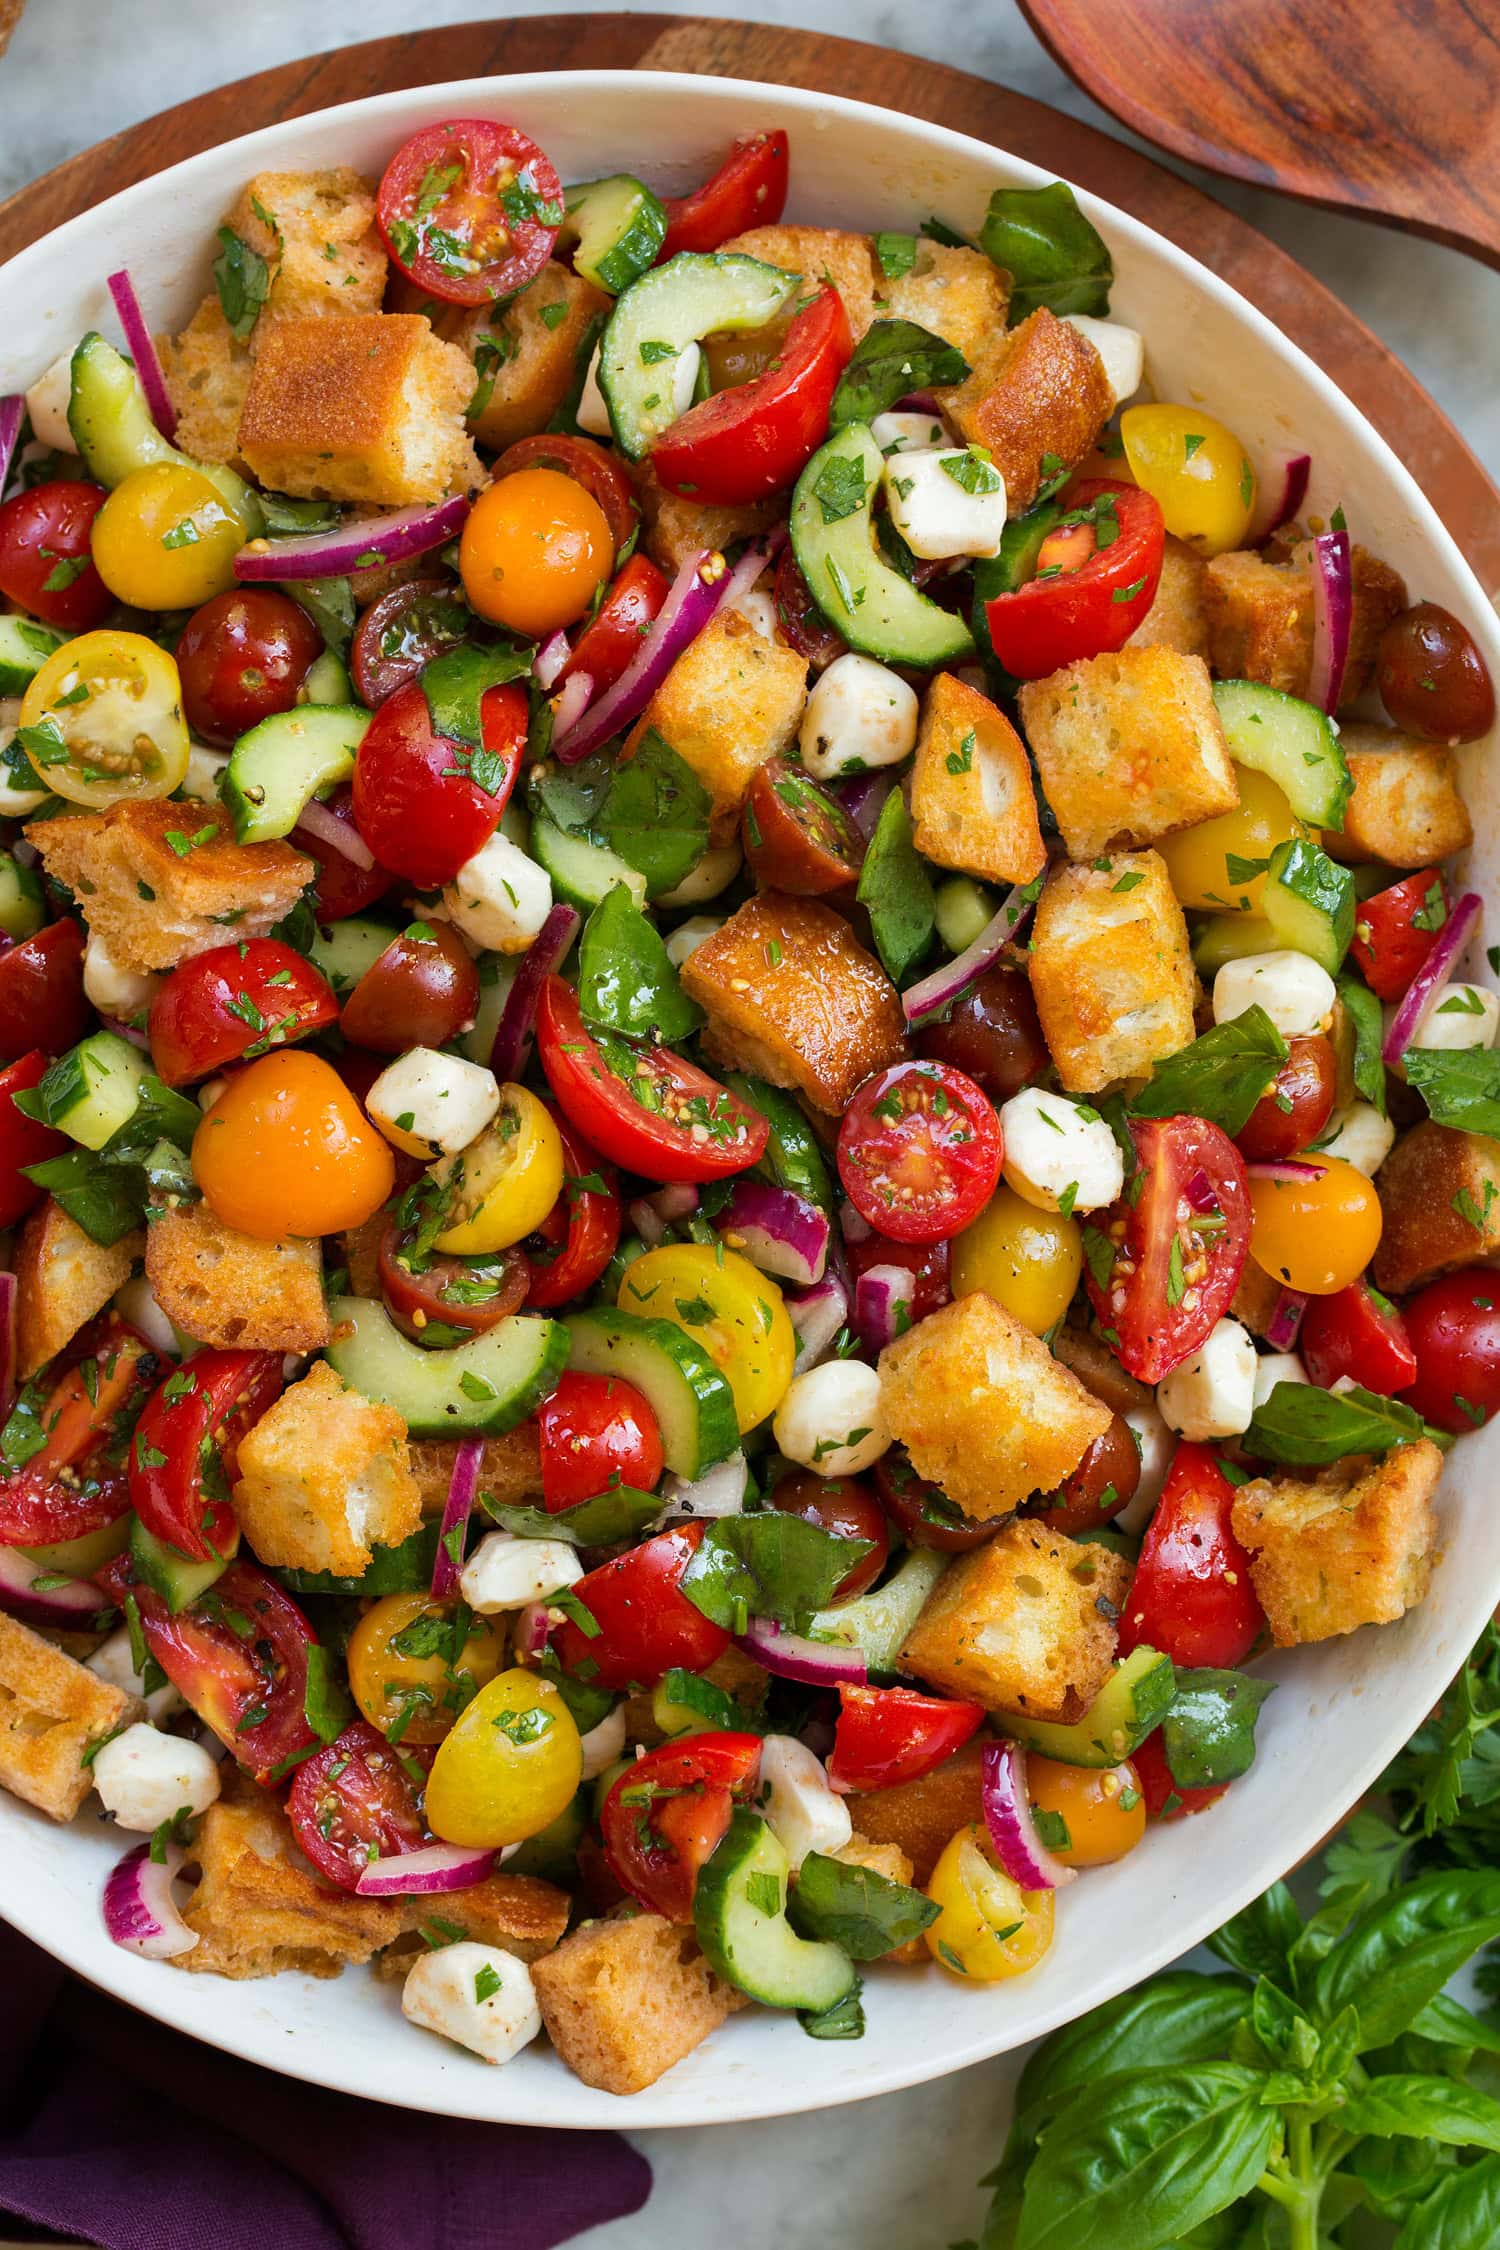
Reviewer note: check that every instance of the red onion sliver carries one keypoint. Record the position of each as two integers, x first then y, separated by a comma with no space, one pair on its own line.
752,562
778,1231
1286,1319
720,1491
853,1224
817,1315
1285,1168
12,414
550,658
433,1867
864,799
677,1200
1423,989
573,700
340,836
648,1222
127,1031
1283,490
354,546
952,981
791,1657
695,595
1007,1815
1199,1190
917,402
1333,610
882,1305
143,352
547,952
71,1603
528,1635
140,1912
463,1485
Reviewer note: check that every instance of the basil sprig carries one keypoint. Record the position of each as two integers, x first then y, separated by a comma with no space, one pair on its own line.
1310,1428
892,358
626,978
768,1565
1220,1076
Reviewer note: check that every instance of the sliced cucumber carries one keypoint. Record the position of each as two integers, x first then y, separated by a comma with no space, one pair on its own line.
92,1090
862,597
113,430
24,648
739,1912
176,1577
290,758
583,874
1134,1699
963,910
87,1554
880,1623
1291,742
553,1852
326,681
663,312
1230,937
497,974
23,909
793,1158
1309,902
343,951
618,225
478,1389
692,1400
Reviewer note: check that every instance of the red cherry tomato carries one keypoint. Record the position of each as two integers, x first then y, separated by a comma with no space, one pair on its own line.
577,1239
73,1485
847,1509
922,1512
1359,1333
798,837
1432,678
421,992
1291,1116
242,657
351,1802
415,802
611,642
919,1151
741,445
1165,1800
1102,1484
42,1001
45,561
233,1003
341,887
22,1139
467,1296
799,616
748,190
926,1262
885,1736
646,1626
1454,1329
600,474
993,1034
469,210
1192,1596
184,1453
666,1815
405,629
1396,930
600,1081
1159,1300
596,1432
1097,601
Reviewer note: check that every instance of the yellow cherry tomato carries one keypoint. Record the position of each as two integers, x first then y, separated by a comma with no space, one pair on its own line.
1027,1259
535,551
406,1673
1319,1234
988,1927
106,715
166,538
1211,865
511,1764
729,1308
1089,1815
501,1187
287,1150
1198,473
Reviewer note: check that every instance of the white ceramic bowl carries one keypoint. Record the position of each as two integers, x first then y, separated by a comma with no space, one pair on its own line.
1342,1709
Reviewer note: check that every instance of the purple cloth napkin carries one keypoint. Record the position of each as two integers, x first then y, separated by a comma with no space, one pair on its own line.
120,2132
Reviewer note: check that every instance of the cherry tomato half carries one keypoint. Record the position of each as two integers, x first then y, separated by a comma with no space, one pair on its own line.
416,803
588,464
42,1003
885,1736
1454,1329
799,616
798,837
846,1508
535,551
421,992
442,1300
577,1239
469,210
922,1512
1432,678
109,706
352,1802
22,1139
242,657
405,629
1396,930
76,1482
610,643
184,1453
287,1150
1192,1595
741,445
1197,471
1292,1115
46,564
919,1151
1360,1334
1163,1234
596,1432
1095,603
668,1812
993,1034
1101,1485
341,887
646,1626
748,190
232,1003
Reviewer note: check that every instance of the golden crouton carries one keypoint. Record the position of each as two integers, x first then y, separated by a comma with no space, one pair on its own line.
625,1999
510,1470
972,803
153,905
207,371
360,406
677,528
63,1277
792,996
51,1710
1039,390
520,1914
1352,1545
1439,1195
920,1816
526,355
232,1290
1257,1297
890,1861
1128,748
819,254
951,291
732,700
984,1409
1026,1623
324,1478
361,1252
1406,810
1177,618
317,234
258,1908
1111,972
1260,617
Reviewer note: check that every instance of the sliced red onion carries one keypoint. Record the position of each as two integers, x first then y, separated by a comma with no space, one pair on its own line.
817,1315
1199,1190
677,1200
1333,611
528,1635
917,402
463,1485
695,595
1283,489
720,1491
853,1225
1286,1319
953,979
573,700
71,1603
435,1867
354,546
143,352
140,1912
12,414
127,1031
777,1231
339,836
752,562
1007,1816
647,1221
791,1657
1423,989
882,1305
1285,1168
547,664
863,799
8,1289
546,953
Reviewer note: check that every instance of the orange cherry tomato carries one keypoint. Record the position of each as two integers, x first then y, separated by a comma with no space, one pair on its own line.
286,1149
1088,1815
535,551
1316,1234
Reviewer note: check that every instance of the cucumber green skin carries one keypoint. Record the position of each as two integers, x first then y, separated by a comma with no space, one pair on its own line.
695,294
1309,902
1278,734
520,1360
693,1402
761,1953
583,874
793,1158
879,1623
343,951
84,1556
113,430
963,910
112,1074
1231,937
177,1578
326,681
618,225
276,768
24,648
1133,1700
23,909
893,622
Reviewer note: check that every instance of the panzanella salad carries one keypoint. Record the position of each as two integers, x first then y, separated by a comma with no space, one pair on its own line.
743,1103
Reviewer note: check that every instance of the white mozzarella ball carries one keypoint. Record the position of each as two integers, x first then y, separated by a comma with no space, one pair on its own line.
714,872
1122,349
1060,1152
432,1104
592,413
47,406
505,1572
804,1811
949,502
907,433
1212,1395
204,769
1272,1368
500,898
604,1743
115,991
112,1661
1461,1015
1360,1136
830,1419
859,716
1295,992
689,935
685,377
758,608
476,1996
144,1777
1156,1445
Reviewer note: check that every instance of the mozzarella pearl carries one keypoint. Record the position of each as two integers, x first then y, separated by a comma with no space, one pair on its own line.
804,1811
1272,1368
1461,1015
143,1777
1212,1395
500,898
443,1992
432,1104
1294,991
1122,349
1360,1136
907,433
830,1419
934,508
505,1572
1057,1151
859,716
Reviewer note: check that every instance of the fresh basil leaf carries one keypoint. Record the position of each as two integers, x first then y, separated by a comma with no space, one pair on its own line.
402,1569
654,812
287,518
626,980
159,1114
455,683
844,2020
864,1912
564,418
1053,255
892,358
587,1705
243,281
1220,1076
1287,2037
1462,2214
768,1565
604,1521
1445,2022
896,890
1363,1011
329,602
1180,2017
1209,1733
1258,1940
104,1199
25,1433
1401,1952
1310,1428
1423,2109
1460,1085
713,1705
325,1701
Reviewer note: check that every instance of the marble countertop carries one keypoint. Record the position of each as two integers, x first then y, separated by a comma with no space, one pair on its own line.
899,2173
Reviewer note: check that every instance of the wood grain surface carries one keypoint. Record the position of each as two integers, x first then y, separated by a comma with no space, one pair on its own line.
1300,305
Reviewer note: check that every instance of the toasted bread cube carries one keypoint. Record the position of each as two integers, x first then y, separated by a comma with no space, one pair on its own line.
526,355
1039,390
232,1290
207,372
317,234
732,700
1177,618
1111,971
677,527
1260,617
520,1914
510,1469
1128,747
819,254
360,406
625,1999
151,906
1439,1195
792,995
973,806
1257,1297
1350,1546
258,1908
919,1817
51,1709
324,1478
63,1277
1025,1623
1406,810
949,290
984,1409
